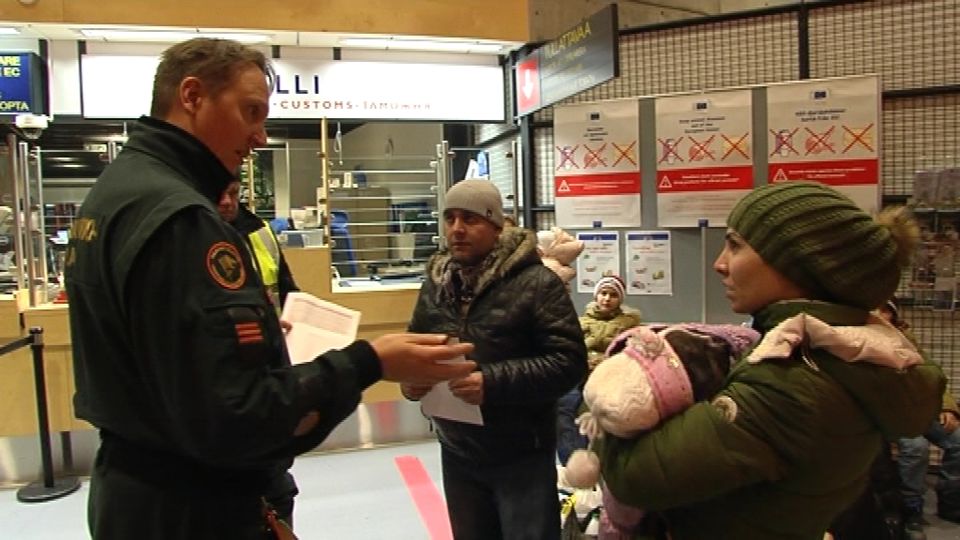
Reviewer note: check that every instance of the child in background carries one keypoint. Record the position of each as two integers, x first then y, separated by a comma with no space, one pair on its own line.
913,456
604,319
558,249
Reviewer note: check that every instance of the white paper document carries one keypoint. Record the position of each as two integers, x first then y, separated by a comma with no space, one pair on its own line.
318,326
440,401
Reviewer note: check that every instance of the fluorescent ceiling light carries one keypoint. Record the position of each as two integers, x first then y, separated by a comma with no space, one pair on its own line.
129,34
9,31
407,44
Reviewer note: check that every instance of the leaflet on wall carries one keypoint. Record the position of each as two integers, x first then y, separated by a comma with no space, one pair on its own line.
649,264
933,280
829,131
597,164
704,156
600,257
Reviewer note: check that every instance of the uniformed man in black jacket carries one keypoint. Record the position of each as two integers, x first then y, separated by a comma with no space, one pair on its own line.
178,355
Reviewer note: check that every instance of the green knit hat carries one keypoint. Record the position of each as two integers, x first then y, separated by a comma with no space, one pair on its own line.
820,240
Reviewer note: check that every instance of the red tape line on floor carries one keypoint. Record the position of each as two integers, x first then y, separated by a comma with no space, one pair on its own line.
429,501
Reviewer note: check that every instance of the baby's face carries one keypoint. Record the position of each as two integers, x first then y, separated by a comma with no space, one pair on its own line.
608,299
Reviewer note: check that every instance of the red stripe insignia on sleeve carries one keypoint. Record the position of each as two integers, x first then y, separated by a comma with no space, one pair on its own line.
249,332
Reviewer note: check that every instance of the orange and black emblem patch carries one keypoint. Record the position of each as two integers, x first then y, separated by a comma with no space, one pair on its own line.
225,266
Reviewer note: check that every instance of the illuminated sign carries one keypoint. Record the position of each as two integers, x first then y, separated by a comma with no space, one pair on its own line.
121,87
582,57
22,83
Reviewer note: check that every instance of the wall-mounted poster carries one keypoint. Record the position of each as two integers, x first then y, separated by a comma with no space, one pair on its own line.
649,265
597,164
600,257
829,131
704,156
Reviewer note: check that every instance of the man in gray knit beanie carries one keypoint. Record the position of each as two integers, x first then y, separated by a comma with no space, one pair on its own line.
489,288
478,196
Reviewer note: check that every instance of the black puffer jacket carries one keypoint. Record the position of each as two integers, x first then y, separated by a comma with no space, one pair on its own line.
528,344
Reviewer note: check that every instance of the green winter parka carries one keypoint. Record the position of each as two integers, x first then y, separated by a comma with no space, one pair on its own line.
784,447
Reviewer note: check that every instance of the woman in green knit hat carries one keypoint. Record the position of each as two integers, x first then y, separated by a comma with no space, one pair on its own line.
787,444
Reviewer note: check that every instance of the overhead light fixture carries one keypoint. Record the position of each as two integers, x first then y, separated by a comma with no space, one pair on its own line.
411,44
131,34
9,31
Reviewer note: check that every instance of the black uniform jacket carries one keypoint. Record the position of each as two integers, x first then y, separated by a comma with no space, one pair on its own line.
177,352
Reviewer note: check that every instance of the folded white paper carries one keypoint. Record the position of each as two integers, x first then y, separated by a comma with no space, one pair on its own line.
441,402
318,326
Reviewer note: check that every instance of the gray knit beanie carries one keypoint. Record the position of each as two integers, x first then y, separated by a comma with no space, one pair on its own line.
478,196
821,240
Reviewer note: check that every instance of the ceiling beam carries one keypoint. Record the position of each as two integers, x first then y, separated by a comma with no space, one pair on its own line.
501,20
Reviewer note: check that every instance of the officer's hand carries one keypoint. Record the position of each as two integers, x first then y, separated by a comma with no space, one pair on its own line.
418,358
469,388
307,423
285,326
414,392
949,421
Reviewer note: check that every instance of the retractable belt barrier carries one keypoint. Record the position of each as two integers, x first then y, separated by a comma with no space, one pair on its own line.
49,488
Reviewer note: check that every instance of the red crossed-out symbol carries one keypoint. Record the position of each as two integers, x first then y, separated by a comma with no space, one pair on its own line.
700,150
818,141
624,153
566,155
592,158
858,137
735,145
669,148
781,142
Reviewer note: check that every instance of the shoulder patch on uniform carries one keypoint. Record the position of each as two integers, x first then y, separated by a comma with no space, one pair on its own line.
727,407
225,265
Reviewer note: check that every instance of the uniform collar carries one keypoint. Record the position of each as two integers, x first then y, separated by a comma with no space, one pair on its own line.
183,152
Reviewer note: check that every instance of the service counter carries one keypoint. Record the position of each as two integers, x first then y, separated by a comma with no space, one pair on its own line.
384,416
385,308
18,410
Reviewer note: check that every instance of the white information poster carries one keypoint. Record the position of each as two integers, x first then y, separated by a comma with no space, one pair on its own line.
829,131
600,257
704,156
597,164
649,265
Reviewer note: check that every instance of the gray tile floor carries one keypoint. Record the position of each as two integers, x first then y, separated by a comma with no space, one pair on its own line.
346,495
937,529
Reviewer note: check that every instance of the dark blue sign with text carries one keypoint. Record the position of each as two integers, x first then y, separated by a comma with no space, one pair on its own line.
22,84
582,57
